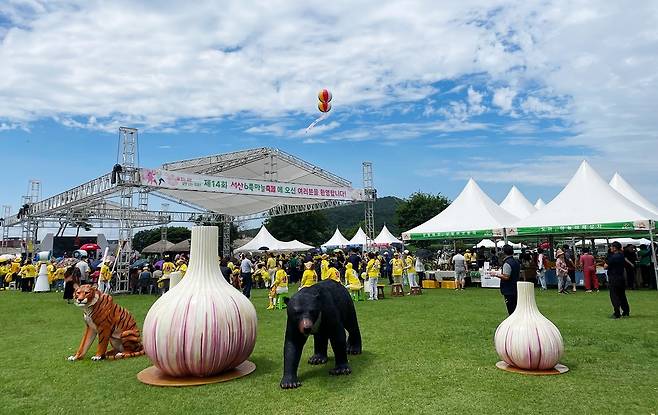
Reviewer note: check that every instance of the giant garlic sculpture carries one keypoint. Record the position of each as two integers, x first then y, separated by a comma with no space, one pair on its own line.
202,326
526,339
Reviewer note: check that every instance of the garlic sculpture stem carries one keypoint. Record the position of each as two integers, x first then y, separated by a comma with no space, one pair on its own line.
527,339
202,326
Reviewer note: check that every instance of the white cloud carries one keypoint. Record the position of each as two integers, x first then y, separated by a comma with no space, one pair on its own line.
172,66
503,98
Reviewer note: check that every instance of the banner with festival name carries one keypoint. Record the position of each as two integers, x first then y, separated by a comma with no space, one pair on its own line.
164,179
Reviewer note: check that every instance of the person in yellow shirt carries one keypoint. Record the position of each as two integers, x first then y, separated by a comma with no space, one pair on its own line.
398,266
181,267
333,273
410,269
261,276
372,270
15,272
309,277
167,268
28,274
104,277
51,271
279,286
353,282
58,279
324,267
271,270
4,270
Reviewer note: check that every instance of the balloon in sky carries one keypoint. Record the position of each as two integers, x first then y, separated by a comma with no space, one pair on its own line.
324,106
324,95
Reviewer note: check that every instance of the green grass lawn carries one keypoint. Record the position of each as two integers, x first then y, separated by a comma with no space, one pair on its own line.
428,354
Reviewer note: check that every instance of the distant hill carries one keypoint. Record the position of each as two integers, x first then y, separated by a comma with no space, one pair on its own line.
349,218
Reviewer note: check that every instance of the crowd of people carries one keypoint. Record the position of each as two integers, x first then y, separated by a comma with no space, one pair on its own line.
625,268
21,273
352,269
622,268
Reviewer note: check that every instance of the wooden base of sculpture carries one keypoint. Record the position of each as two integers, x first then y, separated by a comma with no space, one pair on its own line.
557,370
154,376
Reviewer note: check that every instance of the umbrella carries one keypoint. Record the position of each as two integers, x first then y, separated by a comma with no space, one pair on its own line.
139,263
159,264
90,247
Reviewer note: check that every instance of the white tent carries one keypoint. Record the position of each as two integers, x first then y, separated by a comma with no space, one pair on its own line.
471,214
622,241
336,240
385,237
517,204
265,241
540,203
622,186
488,243
588,204
359,238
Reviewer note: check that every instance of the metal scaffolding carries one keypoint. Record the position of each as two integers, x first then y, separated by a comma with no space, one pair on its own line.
110,201
371,196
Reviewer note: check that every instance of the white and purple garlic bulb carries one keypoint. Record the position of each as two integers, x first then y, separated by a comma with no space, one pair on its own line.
203,326
526,339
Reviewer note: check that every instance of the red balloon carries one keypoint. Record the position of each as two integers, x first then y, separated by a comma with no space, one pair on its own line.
324,106
324,95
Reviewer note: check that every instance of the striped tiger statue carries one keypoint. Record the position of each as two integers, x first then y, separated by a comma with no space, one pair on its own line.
112,323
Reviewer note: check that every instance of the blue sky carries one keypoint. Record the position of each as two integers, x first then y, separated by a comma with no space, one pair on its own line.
502,91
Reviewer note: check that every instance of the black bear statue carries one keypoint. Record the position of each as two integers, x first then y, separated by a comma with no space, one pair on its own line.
325,311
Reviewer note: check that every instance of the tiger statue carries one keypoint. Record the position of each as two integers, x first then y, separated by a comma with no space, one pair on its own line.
112,323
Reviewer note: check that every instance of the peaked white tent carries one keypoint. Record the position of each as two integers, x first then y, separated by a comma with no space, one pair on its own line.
540,203
622,241
359,238
622,186
517,204
586,205
470,215
385,237
336,240
264,240
488,243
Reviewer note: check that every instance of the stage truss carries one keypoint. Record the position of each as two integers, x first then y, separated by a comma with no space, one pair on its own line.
108,201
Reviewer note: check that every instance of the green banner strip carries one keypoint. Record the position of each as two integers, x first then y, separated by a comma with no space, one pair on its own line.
581,229
488,233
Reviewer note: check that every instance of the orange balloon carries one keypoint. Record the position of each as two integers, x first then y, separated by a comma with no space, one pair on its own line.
324,95
324,106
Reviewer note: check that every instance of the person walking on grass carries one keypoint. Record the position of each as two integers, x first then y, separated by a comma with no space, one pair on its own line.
571,266
509,277
541,268
562,271
372,271
615,264
588,265
461,267
246,270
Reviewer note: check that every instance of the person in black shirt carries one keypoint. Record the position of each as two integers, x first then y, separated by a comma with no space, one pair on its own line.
508,278
615,265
